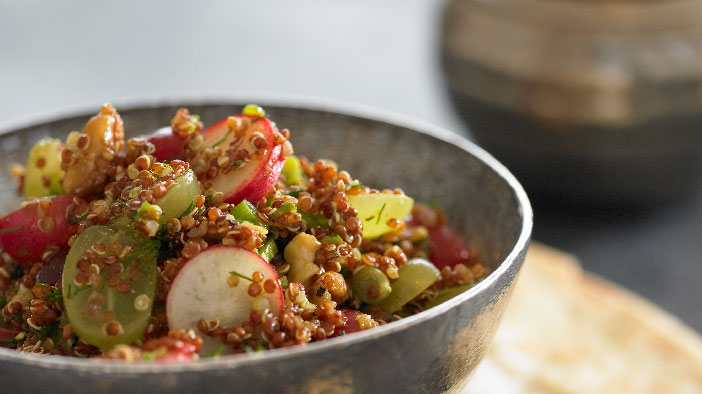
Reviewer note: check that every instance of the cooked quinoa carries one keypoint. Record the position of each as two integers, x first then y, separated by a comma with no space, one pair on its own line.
84,269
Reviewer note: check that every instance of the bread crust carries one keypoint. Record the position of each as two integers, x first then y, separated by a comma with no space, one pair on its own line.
568,331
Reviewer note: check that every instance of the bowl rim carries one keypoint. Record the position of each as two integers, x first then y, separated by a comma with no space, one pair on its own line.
93,366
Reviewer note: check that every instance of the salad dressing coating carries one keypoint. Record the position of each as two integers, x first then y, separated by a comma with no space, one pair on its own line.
295,250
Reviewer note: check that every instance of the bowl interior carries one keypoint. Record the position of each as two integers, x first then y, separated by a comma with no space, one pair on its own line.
482,199
381,155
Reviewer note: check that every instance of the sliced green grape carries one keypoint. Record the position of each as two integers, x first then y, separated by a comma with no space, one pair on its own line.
414,277
292,171
375,210
179,197
108,300
43,172
448,293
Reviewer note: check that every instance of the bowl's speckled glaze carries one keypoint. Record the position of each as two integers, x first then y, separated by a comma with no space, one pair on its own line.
434,351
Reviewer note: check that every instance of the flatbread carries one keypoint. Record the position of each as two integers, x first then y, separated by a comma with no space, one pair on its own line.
567,331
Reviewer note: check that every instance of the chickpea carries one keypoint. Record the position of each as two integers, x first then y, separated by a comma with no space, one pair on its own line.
329,286
370,285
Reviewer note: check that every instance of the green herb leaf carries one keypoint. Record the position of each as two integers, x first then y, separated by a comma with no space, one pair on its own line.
56,294
144,250
215,353
44,331
241,276
380,213
342,333
12,230
161,234
202,212
80,219
344,270
229,132
188,209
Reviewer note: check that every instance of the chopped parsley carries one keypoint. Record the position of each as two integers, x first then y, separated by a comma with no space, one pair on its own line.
11,230
188,209
144,250
56,294
44,331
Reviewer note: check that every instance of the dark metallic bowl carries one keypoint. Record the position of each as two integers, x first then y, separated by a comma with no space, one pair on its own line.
433,351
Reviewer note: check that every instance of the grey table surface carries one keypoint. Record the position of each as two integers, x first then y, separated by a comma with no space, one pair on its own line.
383,54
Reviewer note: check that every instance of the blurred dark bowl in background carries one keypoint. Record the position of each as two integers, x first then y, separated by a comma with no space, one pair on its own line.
586,102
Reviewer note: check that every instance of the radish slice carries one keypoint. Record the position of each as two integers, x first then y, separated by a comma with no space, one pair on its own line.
7,338
255,177
29,231
201,290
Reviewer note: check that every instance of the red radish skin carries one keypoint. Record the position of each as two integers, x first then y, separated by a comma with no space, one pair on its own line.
183,354
24,241
7,337
168,146
201,290
254,179
265,178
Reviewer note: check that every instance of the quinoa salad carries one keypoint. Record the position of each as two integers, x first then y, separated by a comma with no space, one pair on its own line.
195,242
